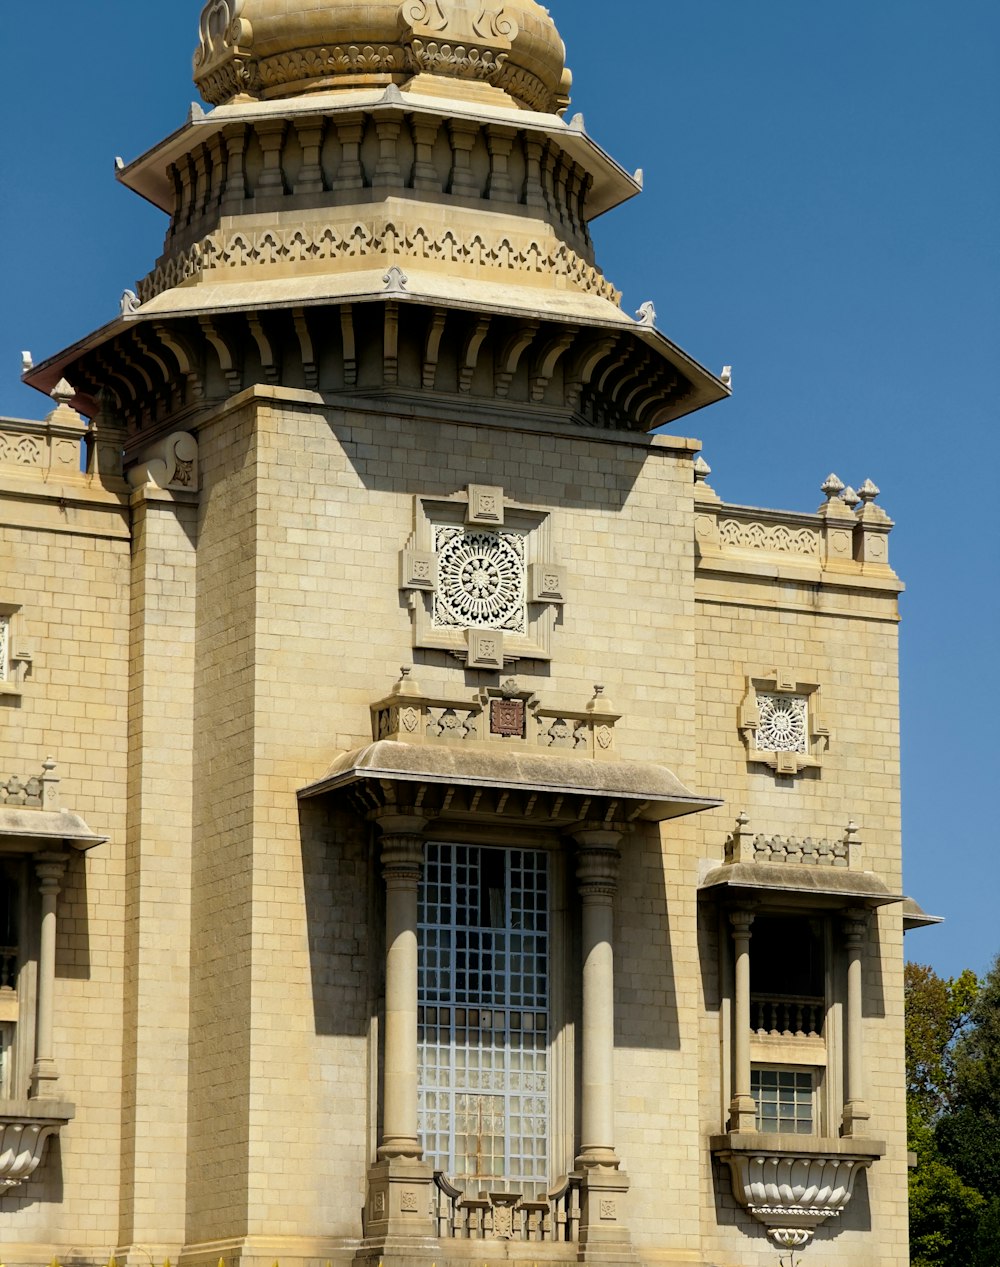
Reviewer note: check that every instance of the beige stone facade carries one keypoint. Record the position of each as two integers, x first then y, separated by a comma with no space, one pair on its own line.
579,938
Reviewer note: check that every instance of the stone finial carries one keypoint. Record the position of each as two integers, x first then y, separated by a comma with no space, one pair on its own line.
195,112
129,303
576,124
119,164
850,498
868,491
646,314
726,377
735,839
27,362
63,392
638,176
832,487
701,470
407,684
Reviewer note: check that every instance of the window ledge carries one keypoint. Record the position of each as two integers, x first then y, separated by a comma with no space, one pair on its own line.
792,1183
26,1126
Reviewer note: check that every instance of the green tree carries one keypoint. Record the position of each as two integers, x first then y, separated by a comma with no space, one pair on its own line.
987,1252
938,1011
968,1136
944,1217
945,1209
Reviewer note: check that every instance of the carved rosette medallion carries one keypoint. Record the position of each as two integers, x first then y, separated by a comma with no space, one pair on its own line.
782,726
481,580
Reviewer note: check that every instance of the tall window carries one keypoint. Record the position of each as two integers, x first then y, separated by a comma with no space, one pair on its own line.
483,1016
4,647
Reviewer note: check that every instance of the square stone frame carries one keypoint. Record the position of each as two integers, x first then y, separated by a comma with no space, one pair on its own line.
783,682
418,574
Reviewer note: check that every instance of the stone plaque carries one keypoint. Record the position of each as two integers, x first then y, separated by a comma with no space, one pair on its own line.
507,718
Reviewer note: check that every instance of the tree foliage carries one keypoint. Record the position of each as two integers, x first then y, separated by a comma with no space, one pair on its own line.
953,1116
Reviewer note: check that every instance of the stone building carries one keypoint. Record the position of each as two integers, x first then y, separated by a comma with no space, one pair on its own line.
576,938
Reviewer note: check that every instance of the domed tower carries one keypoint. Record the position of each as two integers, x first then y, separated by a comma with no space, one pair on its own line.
385,198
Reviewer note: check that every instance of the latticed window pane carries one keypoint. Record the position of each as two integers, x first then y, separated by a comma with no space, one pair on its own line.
483,1000
784,1100
783,723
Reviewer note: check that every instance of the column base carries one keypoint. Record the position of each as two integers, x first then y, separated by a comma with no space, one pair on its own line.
44,1080
856,1118
743,1114
604,1237
399,1209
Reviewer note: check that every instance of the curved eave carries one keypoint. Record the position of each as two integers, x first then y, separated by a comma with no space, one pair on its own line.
423,288
562,790
824,884
147,174
34,829
914,916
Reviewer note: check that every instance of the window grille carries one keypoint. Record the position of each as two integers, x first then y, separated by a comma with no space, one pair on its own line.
784,1100
483,1016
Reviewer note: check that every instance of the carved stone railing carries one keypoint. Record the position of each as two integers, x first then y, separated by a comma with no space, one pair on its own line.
787,1016
25,1129
848,532
36,792
504,1216
743,846
51,447
506,715
792,1186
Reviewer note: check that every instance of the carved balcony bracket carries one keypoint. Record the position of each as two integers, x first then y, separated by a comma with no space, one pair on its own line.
792,1184
25,1130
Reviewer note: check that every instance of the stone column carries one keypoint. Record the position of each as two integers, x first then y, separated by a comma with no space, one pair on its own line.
604,1184
399,1184
742,1109
49,868
856,1111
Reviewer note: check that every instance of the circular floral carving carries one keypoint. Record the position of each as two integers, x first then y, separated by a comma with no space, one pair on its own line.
480,580
782,725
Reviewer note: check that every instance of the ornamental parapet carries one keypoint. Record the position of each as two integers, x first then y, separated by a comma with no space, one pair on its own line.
847,539
791,1185
506,715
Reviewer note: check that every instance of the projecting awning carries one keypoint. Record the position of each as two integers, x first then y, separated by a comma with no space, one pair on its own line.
828,885
35,829
518,787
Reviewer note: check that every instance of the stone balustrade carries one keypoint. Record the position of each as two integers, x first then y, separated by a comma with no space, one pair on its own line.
787,1016
508,716
36,792
508,1216
848,533
744,846
50,447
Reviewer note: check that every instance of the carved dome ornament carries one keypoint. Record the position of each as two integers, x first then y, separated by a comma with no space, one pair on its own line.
284,48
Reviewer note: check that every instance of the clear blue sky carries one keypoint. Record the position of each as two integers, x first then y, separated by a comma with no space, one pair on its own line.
821,211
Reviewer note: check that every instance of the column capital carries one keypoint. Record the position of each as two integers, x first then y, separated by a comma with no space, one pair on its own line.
855,925
49,867
741,918
402,845
597,861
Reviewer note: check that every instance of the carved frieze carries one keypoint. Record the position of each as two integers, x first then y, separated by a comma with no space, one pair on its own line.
235,251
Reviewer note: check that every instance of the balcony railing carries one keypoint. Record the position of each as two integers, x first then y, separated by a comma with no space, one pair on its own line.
503,1216
786,1016
8,967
